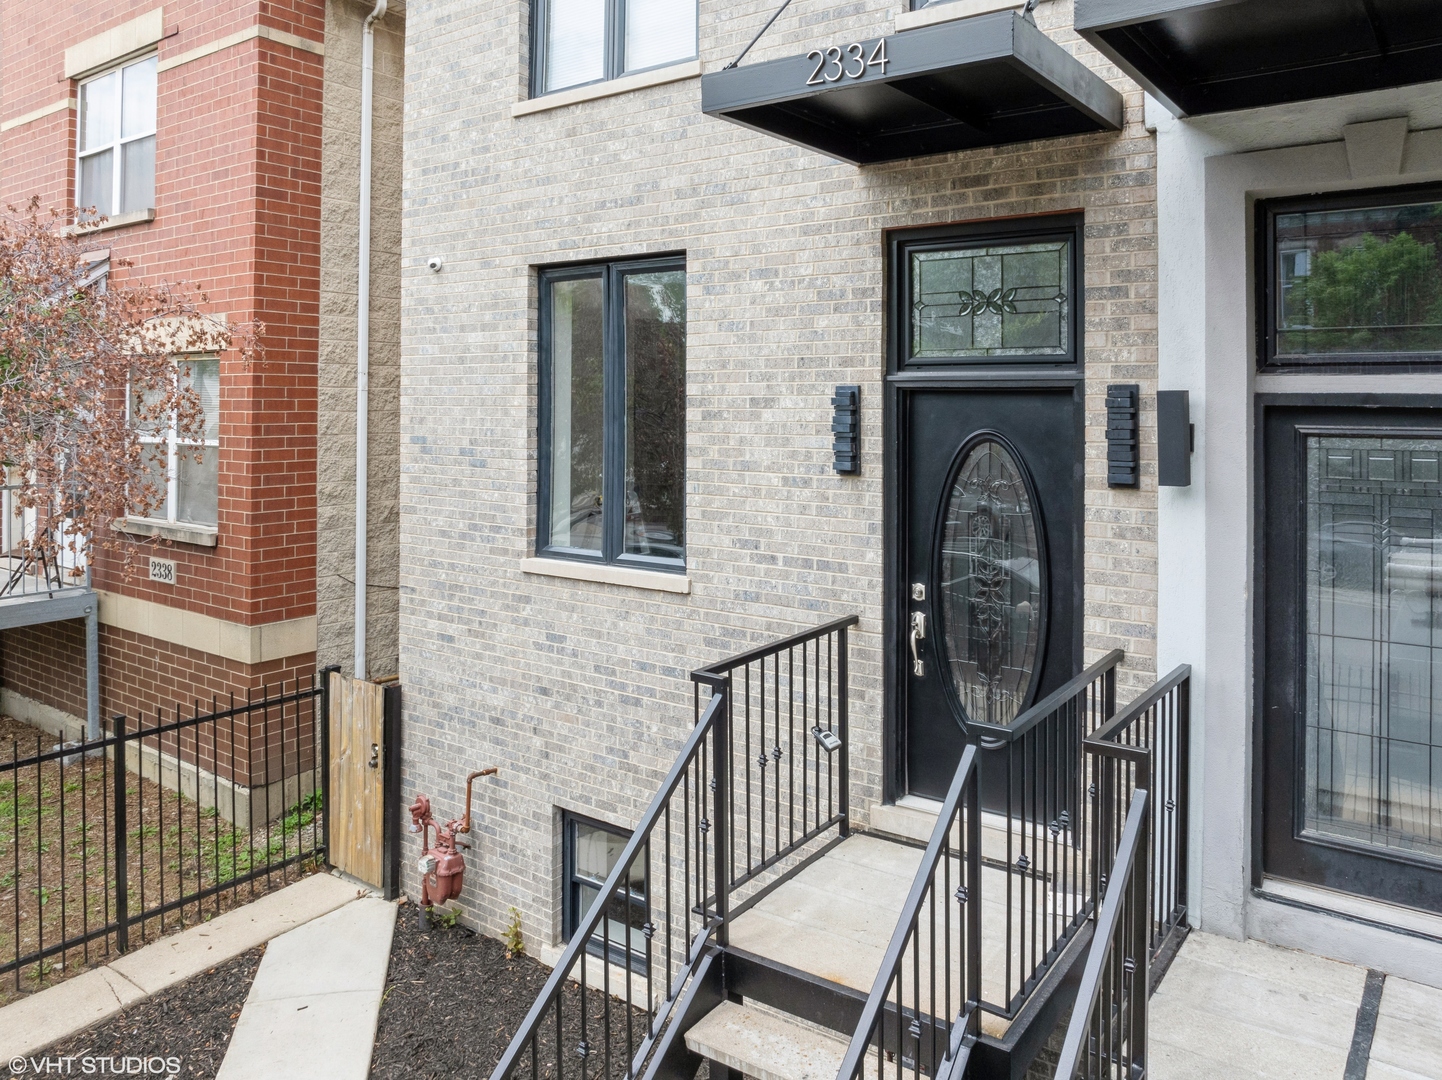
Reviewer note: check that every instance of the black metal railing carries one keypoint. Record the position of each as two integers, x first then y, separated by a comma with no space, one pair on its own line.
1146,746
1107,1033
788,745
754,784
160,822
1034,798
922,1016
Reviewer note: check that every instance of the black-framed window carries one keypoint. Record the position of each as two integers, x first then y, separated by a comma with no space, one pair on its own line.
1351,280
973,295
576,42
613,414
592,850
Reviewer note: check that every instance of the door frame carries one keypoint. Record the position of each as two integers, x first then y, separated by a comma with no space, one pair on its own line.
1007,375
1263,406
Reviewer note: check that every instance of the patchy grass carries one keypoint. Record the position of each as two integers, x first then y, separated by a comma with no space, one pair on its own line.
57,858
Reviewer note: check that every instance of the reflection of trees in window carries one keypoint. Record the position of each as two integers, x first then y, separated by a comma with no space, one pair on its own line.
655,413
613,467
578,413
1359,280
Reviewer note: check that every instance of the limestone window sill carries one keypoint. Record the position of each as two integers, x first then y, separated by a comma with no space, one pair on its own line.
947,10
181,534
691,69
118,221
607,574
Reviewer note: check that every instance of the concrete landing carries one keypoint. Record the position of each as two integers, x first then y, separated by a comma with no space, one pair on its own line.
1229,1010
313,1007
835,918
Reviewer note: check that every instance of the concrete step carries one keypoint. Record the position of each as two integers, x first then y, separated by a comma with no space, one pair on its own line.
766,1045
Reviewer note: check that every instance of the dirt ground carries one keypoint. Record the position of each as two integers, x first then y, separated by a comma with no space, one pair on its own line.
453,1001
57,857
192,1021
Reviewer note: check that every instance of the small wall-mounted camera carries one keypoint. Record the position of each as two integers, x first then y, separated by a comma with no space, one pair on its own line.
434,264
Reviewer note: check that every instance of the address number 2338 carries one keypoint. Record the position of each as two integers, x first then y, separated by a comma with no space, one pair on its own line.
850,61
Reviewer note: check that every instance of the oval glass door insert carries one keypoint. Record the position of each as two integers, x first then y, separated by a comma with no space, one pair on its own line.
992,588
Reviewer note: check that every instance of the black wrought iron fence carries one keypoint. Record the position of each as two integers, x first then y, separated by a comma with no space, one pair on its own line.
921,1017
1107,1033
163,821
1035,814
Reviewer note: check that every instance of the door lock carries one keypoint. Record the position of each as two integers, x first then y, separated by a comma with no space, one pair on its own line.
918,635
375,761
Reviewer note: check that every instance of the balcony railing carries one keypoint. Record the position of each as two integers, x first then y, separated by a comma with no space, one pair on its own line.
30,573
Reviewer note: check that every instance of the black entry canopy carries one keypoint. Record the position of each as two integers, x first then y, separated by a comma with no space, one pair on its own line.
982,81
1208,56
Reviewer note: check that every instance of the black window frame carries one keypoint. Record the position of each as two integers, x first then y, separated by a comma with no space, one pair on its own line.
613,49
571,883
1265,270
901,243
613,455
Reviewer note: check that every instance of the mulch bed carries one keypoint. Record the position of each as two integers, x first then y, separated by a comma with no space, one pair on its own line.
192,1021
453,1001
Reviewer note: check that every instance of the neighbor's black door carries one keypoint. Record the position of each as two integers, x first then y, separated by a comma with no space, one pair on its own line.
989,575
1350,649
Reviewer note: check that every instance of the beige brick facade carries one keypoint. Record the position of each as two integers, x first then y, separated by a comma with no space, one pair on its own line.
577,690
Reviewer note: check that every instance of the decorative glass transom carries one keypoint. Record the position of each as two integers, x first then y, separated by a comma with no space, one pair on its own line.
1373,763
995,301
991,584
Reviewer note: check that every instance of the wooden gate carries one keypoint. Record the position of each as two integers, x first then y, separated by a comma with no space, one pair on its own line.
360,812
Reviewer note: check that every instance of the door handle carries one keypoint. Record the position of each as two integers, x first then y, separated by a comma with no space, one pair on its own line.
918,635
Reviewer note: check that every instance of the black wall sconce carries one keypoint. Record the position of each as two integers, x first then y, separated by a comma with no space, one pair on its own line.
846,430
1176,438
1123,441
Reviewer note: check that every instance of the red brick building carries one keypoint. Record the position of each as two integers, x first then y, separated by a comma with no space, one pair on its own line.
196,127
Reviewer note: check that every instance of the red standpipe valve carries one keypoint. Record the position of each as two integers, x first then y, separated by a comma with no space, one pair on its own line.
442,866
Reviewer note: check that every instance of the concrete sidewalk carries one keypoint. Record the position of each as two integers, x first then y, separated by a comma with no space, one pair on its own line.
313,1007
60,1011
1243,1010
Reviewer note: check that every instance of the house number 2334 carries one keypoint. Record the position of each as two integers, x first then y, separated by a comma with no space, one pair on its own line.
851,61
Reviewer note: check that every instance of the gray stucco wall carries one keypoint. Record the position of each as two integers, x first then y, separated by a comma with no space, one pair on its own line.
335,485
577,690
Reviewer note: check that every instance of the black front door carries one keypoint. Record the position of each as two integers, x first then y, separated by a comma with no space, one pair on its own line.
1350,648
988,582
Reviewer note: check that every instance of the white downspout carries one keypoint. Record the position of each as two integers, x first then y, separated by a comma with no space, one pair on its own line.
363,335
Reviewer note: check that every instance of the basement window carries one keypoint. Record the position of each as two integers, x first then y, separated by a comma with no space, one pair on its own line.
585,41
591,853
